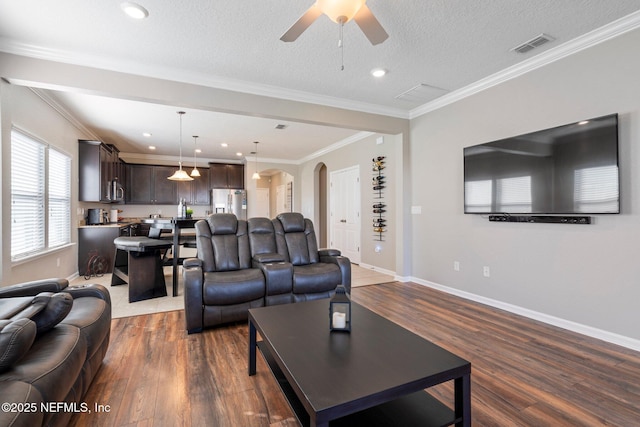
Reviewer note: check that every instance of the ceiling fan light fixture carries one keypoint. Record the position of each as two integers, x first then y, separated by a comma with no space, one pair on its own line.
340,11
134,10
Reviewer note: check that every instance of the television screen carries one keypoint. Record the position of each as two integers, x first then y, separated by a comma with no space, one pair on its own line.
570,169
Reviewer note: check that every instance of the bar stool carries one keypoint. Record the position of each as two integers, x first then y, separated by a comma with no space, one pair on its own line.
138,261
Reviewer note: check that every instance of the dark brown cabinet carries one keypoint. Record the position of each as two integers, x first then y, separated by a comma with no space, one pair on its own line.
96,240
226,175
196,192
148,185
99,167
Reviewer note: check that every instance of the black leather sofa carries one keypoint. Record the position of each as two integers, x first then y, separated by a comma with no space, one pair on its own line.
53,339
247,264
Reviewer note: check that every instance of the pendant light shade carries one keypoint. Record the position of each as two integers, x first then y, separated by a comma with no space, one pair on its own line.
256,175
180,175
195,172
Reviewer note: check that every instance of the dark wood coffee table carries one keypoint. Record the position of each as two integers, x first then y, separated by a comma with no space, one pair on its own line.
374,375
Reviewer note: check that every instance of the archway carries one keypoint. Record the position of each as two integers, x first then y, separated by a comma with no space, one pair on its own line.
321,203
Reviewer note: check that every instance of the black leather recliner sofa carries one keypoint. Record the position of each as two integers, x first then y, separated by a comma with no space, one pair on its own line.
53,338
247,264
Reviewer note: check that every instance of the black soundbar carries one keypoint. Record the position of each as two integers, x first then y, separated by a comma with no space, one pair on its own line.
541,219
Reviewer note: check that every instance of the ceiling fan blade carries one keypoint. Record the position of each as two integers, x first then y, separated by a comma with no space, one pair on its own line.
370,25
302,24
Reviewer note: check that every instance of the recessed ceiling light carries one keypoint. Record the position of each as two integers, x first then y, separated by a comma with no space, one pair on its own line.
152,147
238,154
134,10
224,144
198,150
584,122
146,134
378,72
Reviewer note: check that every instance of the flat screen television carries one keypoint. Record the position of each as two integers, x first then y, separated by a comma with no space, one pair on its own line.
570,169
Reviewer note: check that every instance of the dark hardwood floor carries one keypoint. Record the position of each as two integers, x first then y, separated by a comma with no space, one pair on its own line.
524,373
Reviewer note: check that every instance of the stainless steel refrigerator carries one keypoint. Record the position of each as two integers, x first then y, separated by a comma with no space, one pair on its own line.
229,201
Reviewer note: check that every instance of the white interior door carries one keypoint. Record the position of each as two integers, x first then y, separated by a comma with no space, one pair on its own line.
262,203
344,207
280,199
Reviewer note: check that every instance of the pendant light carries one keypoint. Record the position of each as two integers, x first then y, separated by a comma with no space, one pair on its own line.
256,175
195,172
180,175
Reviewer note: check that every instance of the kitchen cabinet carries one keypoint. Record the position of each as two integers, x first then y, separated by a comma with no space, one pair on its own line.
226,175
97,240
198,191
100,172
148,185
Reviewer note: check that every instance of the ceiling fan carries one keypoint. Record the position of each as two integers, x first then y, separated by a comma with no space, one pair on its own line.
340,12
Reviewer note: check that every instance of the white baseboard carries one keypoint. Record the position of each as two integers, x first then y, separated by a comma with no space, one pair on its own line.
600,334
378,269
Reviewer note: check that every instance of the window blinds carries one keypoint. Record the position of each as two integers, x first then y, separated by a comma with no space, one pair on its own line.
59,198
40,201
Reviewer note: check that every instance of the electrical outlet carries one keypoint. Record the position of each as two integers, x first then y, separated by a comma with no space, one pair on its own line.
456,265
486,271
57,262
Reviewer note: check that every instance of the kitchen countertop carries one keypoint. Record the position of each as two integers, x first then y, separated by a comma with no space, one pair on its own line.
128,221
123,223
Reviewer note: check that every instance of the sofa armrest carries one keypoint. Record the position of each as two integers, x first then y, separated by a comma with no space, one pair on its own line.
267,258
345,268
89,290
193,279
33,288
329,252
278,278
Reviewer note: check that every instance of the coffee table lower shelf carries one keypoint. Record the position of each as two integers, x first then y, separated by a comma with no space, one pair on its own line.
416,409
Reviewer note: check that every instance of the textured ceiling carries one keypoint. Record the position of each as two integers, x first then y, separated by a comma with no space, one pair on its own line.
445,44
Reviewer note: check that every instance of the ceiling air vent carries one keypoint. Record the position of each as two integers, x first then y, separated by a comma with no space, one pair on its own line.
421,93
533,43
280,127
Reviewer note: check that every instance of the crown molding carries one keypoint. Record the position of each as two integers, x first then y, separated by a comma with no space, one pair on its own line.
197,78
595,37
343,143
63,112
161,159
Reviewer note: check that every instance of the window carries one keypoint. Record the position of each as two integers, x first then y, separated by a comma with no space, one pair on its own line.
478,196
514,194
40,197
596,189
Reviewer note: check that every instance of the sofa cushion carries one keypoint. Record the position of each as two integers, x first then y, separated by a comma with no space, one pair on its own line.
314,278
47,310
53,363
233,287
93,317
16,337
221,224
292,222
9,307
25,395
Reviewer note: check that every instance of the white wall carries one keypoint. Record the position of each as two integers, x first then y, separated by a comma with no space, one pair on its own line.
360,153
584,274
